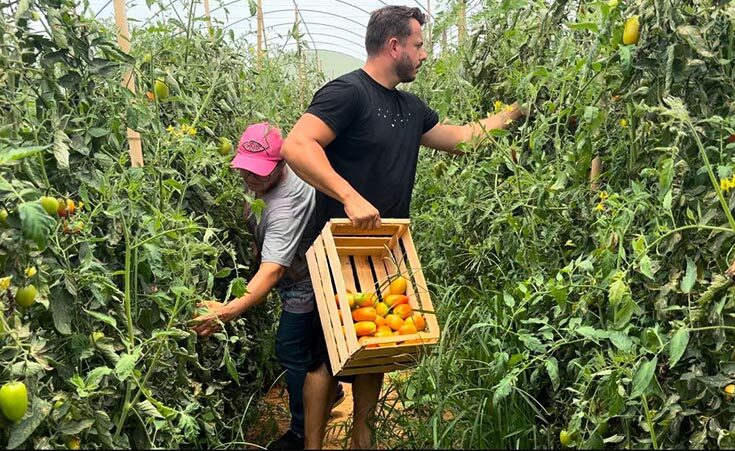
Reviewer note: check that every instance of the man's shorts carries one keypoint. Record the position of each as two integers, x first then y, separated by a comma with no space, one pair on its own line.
319,353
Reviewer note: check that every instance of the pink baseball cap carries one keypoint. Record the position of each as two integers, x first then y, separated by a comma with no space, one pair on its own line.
259,150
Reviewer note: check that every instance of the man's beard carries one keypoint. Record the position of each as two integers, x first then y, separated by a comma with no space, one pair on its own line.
405,70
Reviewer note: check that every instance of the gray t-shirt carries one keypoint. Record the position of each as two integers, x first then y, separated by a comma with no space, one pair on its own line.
280,237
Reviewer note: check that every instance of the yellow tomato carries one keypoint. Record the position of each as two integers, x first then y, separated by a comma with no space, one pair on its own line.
398,285
631,31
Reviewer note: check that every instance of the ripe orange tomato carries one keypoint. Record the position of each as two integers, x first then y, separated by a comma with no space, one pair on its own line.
398,285
350,299
391,300
380,321
394,321
384,329
364,314
403,310
365,299
365,328
417,320
407,329
381,308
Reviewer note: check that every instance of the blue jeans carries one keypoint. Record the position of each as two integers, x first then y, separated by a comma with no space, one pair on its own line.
293,352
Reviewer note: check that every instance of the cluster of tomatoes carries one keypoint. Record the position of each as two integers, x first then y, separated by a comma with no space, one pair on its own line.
384,316
63,208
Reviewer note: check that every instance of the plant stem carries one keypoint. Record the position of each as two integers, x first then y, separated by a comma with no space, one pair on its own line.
712,177
650,422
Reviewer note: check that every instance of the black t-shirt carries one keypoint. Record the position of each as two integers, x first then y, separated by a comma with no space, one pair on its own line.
377,145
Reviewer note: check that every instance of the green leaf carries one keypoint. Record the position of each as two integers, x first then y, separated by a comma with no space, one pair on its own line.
508,299
70,427
591,333
148,409
617,290
102,317
103,425
589,26
13,155
643,377
61,308
620,340
36,224
20,432
504,387
230,365
639,245
97,132
125,366
644,265
678,345
552,369
238,287
173,332
61,149
95,376
687,283
253,6
624,312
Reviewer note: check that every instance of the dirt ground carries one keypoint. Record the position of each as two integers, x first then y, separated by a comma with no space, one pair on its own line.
275,419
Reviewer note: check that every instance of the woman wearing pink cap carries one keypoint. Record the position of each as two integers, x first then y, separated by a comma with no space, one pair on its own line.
279,236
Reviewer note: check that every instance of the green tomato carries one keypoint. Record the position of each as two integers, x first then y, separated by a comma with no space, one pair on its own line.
4,217
565,438
26,296
160,89
50,204
225,146
14,400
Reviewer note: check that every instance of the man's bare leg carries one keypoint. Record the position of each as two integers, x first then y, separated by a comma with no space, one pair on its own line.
319,388
365,390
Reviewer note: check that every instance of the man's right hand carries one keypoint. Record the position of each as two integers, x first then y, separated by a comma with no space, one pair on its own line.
362,213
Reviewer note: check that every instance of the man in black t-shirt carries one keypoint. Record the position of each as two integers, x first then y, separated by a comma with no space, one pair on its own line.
358,145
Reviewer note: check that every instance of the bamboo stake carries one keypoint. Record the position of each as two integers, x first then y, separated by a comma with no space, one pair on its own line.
261,31
123,40
208,17
462,21
595,171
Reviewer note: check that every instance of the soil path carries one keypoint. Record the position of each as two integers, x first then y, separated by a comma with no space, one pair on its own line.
275,419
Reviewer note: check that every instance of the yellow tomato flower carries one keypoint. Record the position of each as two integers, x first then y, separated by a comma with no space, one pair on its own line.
624,123
5,283
604,195
600,207
170,129
31,271
498,105
727,184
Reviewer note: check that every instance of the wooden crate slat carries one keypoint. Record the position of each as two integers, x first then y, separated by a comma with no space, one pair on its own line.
361,241
349,278
361,251
422,286
335,266
336,346
408,359
375,369
364,273
411,348
388,228
379,265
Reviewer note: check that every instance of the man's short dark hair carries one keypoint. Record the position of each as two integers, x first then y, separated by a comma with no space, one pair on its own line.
388,22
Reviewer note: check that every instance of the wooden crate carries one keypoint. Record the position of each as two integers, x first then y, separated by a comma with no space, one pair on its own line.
345,258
